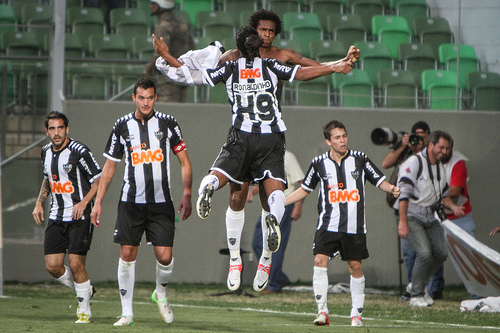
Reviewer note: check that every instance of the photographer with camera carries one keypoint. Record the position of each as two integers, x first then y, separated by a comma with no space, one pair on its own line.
424,191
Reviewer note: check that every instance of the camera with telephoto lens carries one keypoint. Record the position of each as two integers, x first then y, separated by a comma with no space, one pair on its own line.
386,136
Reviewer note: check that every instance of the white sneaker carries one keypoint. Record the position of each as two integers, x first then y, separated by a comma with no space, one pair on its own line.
356,321
418,301
124,321
165,311
203,205
83,318
234,276
273,233
322,319
261,277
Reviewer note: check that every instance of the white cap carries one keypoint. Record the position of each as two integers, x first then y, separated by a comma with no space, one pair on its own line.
165,4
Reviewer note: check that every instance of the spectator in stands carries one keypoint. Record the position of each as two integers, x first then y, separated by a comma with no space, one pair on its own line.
110,4
176,32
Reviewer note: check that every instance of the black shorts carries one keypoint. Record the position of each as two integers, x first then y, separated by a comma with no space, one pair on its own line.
71,237
350,246
252,157
157,220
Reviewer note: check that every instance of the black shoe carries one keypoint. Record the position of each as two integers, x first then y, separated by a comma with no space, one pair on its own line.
437,295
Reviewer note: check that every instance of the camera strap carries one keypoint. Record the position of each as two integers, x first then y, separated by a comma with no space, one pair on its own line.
431,176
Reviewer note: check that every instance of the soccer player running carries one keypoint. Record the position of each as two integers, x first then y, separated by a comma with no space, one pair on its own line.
71,176
341,174
255,148
145,138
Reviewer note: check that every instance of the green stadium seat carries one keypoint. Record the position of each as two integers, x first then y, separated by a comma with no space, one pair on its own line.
399,89
216,25
366,9
128,23
303,27
126,75
314,92
229,43
323,8
88,81
84,22
8,18
192,7
346,28
19,43
434,31
393,30
441,90
244,16
37,74
35,17
233,8
374,56
327,50
142,48
281,7
485,89
284,43
143,5
411,9
202,42
449,55
10,83
416,58
17,6
108,47
73,47
354,89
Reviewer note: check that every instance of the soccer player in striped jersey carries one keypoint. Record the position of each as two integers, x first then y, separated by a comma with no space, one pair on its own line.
71,176
341,174
255,148
145,138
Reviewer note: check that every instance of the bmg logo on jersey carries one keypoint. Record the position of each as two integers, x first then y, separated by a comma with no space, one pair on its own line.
62,188
146,156
343,196
250,73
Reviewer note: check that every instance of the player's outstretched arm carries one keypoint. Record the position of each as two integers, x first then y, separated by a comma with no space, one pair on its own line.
389,188
44,193
161,48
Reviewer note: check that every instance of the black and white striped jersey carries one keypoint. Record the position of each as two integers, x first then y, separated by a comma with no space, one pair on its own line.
146,148
70,172
252,87
341,202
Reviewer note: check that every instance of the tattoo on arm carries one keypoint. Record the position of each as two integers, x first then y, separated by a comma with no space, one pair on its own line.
44,191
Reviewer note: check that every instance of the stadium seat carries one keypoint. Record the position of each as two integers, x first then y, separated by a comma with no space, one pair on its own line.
19,43
85,22
346,28
234,7
125,75
374,56
129,23
366,9
327,50
399,89
8,18
434,31
202,42
37,74
354,89
323,8
10,82
485,90
416,58
143,5
142,48
35,17
88,81
449,55
244,16
441,90
229,43
303,27
285,43
192,7
411,9
17,6
392,30
108,47
314,92
281,7
216,25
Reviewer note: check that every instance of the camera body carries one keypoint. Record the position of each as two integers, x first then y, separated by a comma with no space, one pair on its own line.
386,136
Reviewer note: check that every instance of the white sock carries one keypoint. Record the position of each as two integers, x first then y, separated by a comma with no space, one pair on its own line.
163,275
276,202
265,246
67,278
357,286
126,280
209,179
83,293
234,228
320,287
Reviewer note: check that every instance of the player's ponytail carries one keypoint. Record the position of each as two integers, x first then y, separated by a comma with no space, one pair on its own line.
248,42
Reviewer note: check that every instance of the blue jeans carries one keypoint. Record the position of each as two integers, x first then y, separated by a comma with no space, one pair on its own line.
429,243
276,275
